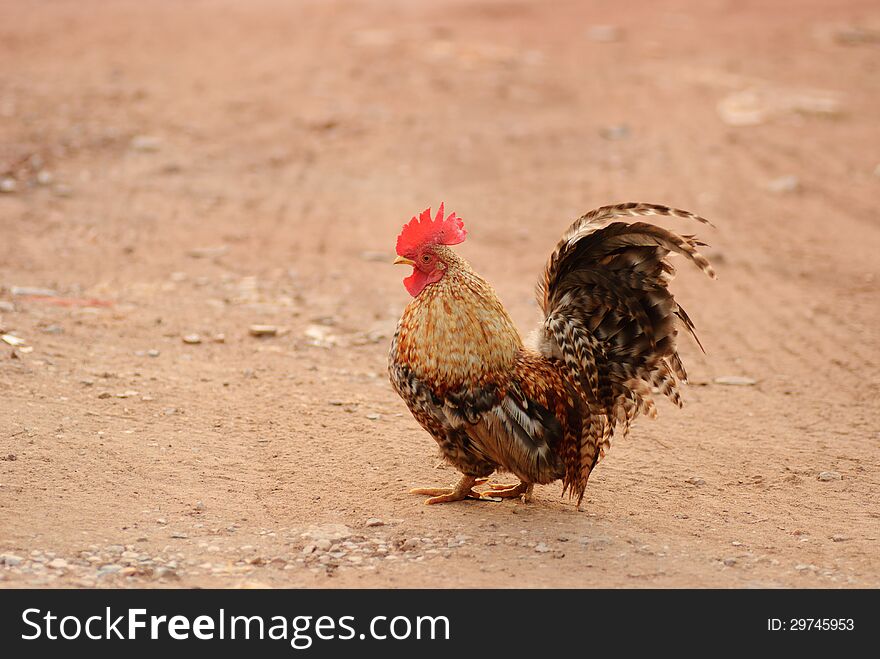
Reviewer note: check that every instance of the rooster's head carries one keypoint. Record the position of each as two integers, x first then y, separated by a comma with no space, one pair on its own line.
422,244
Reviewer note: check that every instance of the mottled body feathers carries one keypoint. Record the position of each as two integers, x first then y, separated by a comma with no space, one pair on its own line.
548,411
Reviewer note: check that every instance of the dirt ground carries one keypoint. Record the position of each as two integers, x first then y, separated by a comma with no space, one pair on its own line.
174,169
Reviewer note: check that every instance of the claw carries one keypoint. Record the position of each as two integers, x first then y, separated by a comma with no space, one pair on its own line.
522,490
462,490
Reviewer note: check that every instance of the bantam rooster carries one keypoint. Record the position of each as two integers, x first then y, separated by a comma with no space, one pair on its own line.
546,412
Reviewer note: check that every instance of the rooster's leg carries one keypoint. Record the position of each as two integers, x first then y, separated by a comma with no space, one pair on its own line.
462,490
523,490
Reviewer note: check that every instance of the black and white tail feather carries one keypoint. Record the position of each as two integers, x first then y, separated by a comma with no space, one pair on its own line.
609,316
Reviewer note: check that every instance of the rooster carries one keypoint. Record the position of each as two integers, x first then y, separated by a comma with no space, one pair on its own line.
549,411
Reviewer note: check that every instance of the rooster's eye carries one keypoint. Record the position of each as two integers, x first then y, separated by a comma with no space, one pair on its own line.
426,258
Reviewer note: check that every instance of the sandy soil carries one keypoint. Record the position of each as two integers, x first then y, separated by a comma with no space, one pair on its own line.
195,168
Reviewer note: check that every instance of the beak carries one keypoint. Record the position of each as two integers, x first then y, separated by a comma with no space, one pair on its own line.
402,260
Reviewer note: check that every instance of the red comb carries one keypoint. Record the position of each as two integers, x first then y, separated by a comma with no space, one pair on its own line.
422,230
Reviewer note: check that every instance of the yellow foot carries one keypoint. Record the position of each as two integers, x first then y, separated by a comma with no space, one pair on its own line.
464,489
523,491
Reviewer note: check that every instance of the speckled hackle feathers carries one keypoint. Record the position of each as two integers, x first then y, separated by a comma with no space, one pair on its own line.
547,412
423,230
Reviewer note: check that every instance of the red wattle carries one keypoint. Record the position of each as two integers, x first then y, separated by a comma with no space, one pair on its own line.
416,282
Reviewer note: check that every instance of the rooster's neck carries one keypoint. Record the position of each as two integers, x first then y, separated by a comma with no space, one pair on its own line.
457,333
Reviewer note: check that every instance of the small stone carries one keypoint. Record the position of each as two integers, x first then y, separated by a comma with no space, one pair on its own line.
604,33
788,183
145,143
200,505
373,416
10,559
219,338
614,133
826,476
263,330
128,571
6,306
161,520
309,548
153,353
208,252
105,394
375,522
179,536
127,394
541,548
323,544
44,177
729,562
735,380
192,339
8,185
165,573
57,564
839,538
695,480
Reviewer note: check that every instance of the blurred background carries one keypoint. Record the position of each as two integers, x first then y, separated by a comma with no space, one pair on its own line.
173,174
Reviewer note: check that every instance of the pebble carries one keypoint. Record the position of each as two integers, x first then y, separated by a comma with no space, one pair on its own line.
826,476
179,536
62,190
410,544
373,416
200,505
153,353
604,33
614,133
788,183
57,563
695,480
145,143
208,252
839,538
263,330
10,559
44,177
33,291
729,562
192,339
8,185
541,548
375,522
323,544
735,380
